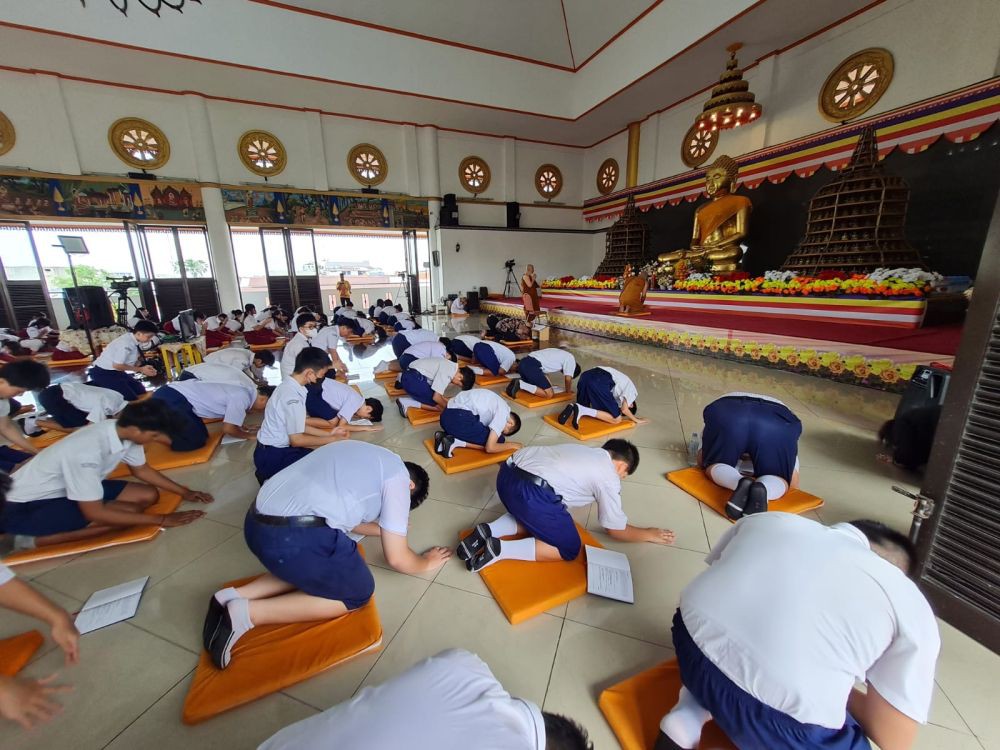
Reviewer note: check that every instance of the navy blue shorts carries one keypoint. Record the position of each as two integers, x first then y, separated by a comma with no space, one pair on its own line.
768,431
531,371
405,360
316,405
61,410
596,389
460,349
744,719
417,386
383,318
540,510
268,460
399,345
465,425
487,357
54,516
11,457
115,380
317,560
193,433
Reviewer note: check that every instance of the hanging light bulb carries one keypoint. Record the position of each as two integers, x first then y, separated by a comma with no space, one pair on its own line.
731,103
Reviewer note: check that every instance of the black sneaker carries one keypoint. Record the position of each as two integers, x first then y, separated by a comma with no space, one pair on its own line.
576,416
663,742
213,619
402,409
445,447
491,551
437,440
469,547
513,387
221,646
736,504
566,413
756,500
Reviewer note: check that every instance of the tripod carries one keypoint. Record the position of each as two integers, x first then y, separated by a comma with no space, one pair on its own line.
122,304
510,283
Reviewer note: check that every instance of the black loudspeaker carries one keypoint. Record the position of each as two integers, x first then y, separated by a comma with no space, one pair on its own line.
927,387
95,300
471,301
513,215
449,211
483,293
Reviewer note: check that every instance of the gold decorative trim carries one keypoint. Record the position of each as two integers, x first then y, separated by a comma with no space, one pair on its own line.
856,84
133,134
698,145
262,153
607,176
548,181
367,164
474,174
7,134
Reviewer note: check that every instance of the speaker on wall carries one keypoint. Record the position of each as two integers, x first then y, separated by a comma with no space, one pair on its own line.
436,258
513,215
95,301
449,210
484,293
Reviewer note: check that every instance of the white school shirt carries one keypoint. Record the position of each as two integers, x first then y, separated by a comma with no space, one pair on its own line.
505,356
487,405
75,466
34,332
213,372
580,475
347,483
4,412
217,400
231,356
327,338
743,394
795,612
376,311
624,389
405,324
554,360
438,371
291,351
284,415
367,327
347,312
418,335
212,323
344,399
469,341
124,350
97,403
427,349
233,325
440,703
457,306
6,574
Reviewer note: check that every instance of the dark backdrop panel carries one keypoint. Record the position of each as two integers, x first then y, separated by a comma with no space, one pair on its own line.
27,298
309,292
279,292
170,298
953,187
204,296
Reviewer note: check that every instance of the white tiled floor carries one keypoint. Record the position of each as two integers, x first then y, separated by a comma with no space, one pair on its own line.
134,676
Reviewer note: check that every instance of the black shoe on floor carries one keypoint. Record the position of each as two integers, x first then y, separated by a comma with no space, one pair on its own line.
444,449
756,500
736,504
576,416
491,551
437,439
513,387
220,649
213,619
469,547
402,409
665,743
565,414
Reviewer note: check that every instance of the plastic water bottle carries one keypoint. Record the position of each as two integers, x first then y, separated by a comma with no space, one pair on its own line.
694,447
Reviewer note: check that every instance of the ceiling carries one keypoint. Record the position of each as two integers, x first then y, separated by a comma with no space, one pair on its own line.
513,68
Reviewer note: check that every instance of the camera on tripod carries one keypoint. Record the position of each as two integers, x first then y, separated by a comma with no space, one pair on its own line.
509,264
121,284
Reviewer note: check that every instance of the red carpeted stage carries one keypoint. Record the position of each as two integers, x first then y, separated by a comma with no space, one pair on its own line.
849,350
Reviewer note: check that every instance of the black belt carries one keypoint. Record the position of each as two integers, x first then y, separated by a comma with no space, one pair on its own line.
527,476
299,522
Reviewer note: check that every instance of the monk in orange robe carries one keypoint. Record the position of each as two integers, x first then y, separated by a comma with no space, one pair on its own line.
633,297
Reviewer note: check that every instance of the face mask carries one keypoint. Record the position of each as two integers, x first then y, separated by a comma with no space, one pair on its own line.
309,333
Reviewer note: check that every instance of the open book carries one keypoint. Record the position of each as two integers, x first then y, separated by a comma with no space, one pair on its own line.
609,574
111,605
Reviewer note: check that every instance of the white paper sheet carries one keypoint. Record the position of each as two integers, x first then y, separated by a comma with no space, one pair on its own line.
111,605
230,439
361,423
477,370
609,574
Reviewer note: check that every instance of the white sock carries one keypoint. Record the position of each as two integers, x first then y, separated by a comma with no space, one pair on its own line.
724,475
409,403
459,443
506,525
529,387
586,411
224,596
685,721
477,370
518,549
23,542
776,486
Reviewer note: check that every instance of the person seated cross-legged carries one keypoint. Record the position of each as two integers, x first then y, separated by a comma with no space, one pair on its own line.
495,357
476,419
534,369
71,405
330,404
606,394
772,638
63,494
121,357
285,436
194,400
441,703
458,306
765,430
16,378
538,485
300,528
426,381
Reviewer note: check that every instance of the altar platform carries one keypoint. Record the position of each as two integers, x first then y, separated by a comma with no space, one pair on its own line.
832,338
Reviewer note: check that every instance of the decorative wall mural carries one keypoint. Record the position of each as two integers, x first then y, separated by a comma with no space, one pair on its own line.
317,209
856,84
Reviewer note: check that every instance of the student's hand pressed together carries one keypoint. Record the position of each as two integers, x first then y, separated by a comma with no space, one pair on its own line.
148,370
436,557
341,432
197,496
181,518
29,702
67,637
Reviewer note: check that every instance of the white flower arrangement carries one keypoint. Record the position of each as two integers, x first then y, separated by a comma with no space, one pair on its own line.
699,277
909,275
780,275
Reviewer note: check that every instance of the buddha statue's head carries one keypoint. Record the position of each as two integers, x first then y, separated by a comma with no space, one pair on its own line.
720,177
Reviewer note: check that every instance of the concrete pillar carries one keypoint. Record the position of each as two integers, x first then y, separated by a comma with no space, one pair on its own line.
632,160
200,127
314,137
220,245
52,107
411,160
649,150
509,170
427,161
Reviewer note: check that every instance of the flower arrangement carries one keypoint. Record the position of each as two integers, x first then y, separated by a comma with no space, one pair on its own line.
883,282
584,282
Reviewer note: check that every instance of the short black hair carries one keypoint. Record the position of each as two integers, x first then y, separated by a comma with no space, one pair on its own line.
145,326
468,378
151,415
879,534
312,358
447,343
42,322
27,374
198,315
222,314
564,734
266,356
304,318
377,409
266,390
235,313
421,484
623,450
399,307
249,306
379,302
517,423
634,407
576,371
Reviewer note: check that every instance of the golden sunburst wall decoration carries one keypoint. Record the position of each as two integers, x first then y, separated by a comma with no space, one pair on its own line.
262,153
548,181
856,84
607,176
139,143
367,164
7,134
474,174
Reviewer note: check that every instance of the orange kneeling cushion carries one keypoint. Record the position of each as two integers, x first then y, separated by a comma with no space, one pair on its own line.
533,401
47,438
590,428
160,457
168,503
386,375
418,417
487,379
519,344
639,314
526,589
273,657
17,651
695,482
392,390
83,362
635,706
465,459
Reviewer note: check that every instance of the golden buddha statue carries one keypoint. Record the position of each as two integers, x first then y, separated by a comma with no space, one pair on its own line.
720,224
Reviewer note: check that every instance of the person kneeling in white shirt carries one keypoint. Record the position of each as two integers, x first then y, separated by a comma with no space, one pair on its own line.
477,419
73,405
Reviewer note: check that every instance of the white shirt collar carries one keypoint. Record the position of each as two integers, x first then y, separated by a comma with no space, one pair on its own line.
852,530
116,444
537,720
